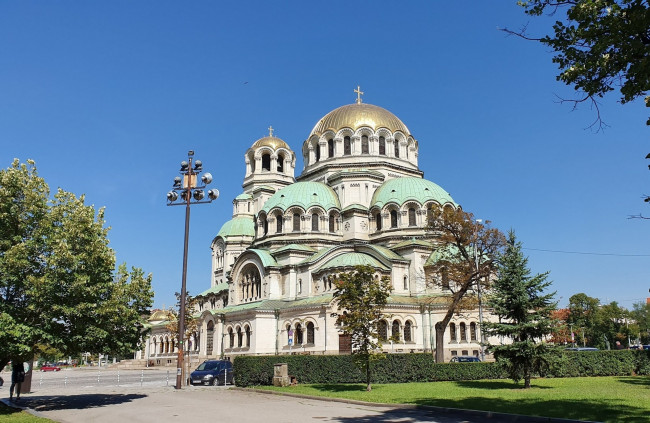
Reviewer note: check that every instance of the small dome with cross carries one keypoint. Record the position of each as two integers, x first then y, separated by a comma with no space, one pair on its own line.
270,141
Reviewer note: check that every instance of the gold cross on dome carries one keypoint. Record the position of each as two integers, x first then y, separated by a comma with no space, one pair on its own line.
270,131
359,94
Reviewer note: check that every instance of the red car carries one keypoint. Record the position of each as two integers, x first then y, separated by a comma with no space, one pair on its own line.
50,369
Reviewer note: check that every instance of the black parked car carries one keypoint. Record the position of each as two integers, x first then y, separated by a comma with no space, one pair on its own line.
464,359
212,372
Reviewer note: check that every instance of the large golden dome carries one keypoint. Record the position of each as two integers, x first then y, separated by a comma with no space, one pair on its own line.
273,142
355,116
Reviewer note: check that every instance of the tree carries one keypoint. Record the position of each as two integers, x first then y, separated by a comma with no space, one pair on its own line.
465,257
600,46
582,318
360,297
57,283
641,315
524,312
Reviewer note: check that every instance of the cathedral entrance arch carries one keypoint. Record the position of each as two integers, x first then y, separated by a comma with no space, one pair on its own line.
250,283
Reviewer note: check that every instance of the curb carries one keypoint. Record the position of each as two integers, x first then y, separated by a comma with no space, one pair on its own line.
24,408
502,417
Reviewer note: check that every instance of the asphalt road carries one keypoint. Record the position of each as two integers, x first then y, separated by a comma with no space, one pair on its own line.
79,401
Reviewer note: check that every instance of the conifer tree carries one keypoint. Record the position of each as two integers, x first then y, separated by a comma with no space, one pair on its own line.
524,315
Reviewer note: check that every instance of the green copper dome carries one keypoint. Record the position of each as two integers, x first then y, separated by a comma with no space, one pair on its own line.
304,195
237,226
401,190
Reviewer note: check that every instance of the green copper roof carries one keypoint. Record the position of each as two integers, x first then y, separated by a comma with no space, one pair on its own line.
401,190
351,260
448,252
355,206
391,255
318,255
411,243
293,247
238,226
265,256
215,289
244,197
269,305
304,195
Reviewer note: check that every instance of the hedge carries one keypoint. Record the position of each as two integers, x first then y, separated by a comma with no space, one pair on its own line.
402,368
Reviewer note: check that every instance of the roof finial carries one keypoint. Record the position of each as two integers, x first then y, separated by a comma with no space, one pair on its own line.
359,94
270,131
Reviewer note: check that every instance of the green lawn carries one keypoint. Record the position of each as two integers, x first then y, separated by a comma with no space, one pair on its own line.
13,415
608,399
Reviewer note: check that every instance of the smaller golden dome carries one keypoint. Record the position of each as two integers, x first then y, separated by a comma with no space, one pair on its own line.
273,142
158,315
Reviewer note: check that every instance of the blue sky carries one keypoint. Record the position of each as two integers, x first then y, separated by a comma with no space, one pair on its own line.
108,97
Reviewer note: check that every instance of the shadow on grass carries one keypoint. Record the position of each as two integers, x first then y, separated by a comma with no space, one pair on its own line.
333,387
77,402
576,409
497,384
635,380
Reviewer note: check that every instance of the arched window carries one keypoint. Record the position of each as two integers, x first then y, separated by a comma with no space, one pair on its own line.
231,337
452,332
472,331
407,331
310,333
364,145
317,152
463,332
382,146
299,286
445,278
248,336
378,220
406,283
266,162
210,337
298,334
266,227
394,330
331,223
162,347
347,148
382,330
314,222
278,224
281,163
330,148
412,221
296,222
240,337
289,333
393,218
396,144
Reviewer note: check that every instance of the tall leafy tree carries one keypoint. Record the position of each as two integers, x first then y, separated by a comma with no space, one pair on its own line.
361,298
582,318
58,285
466,257
524,311
640,314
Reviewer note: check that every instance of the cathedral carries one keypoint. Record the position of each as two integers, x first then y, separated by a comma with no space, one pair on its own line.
361,199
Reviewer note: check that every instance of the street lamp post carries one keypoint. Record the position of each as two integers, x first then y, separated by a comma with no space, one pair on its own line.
480,299
189,190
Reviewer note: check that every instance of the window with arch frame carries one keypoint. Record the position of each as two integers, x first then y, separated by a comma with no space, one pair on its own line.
407,331
412,219
330,148
463,332
266,162
347,146
310,333
452,332
231,337
472,331
406,283
382,330
396,144
365,149
296,222
317,148
314,222
394,330
393,218
382,146
298,334
378,221
280,167
240,337
278,223
331,223
248,336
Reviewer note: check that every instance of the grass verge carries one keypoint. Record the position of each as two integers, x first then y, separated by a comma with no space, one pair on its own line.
603,399
14,415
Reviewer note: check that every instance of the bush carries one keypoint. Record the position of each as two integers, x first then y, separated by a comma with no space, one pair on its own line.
404,368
